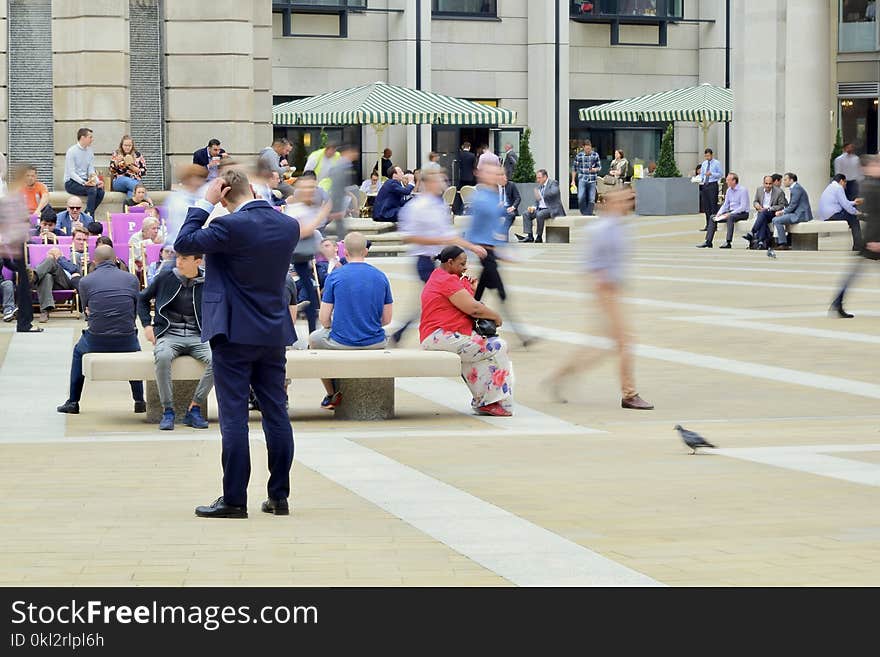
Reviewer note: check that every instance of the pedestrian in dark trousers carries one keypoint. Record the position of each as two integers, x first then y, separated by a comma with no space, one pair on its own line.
870,243
247,321
710,173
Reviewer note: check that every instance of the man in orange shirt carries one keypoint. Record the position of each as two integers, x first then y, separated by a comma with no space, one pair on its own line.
36,194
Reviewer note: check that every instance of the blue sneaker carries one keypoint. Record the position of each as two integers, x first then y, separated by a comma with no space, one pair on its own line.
167,422
194,419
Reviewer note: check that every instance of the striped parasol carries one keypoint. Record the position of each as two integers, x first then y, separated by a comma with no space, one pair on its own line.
379,103
703,104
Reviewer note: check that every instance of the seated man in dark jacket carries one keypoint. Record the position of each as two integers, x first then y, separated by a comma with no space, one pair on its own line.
109,297
391,197
176,330
510,198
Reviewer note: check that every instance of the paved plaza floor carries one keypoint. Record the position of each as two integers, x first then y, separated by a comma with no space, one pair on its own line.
728,343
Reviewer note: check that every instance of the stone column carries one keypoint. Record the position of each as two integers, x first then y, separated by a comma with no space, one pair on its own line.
807,109
209,56
4,99
262,51
711,56
90,69
402,72
543,89
782,112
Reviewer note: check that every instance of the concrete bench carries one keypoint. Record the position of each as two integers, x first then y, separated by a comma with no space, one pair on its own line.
366,378
809,235
558,230
113,201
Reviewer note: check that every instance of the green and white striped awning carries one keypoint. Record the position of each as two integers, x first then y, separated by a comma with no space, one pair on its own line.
381,104
703,104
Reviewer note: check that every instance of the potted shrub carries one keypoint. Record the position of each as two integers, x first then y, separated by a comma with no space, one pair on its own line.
667,192
524,172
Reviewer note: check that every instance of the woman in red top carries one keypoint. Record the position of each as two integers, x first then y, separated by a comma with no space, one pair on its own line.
447,324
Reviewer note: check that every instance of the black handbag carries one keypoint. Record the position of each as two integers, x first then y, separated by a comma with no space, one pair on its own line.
485,327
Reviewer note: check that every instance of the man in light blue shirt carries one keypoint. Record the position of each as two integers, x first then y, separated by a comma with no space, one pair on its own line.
79,171
835,206
710,173
735,208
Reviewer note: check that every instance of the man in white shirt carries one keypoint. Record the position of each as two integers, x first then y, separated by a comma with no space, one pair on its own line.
835,206
847,163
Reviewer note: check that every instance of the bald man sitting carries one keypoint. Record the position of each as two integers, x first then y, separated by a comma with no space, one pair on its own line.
355,306
109,297
73,216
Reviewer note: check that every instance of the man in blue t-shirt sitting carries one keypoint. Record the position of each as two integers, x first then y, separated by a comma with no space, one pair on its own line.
357,299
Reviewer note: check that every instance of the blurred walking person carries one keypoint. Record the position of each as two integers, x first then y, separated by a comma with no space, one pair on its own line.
426,226
606,260
870,243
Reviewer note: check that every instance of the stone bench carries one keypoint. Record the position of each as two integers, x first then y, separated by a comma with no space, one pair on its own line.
558,230
366,378
809,235
112,200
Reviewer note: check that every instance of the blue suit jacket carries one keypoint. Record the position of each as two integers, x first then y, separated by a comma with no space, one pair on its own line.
800,204
247,254
389,200
201,156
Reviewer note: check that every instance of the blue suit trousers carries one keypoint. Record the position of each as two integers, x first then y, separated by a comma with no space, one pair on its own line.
237,368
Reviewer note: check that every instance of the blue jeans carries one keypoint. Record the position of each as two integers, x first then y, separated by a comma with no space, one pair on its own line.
125,184
93,194
101,344
586,195
304,271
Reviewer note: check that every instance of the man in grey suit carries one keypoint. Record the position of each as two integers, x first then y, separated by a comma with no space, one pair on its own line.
769,199
797,211
510,160
548,205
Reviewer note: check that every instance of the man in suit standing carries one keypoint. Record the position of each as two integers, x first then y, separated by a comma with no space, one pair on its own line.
391,197
210,157
246,320
710,173
510,160
549,205
509,197
797,210
769,199
467,161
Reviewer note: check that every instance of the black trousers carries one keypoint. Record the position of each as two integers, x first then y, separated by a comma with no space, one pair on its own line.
23,297
709,198
730,221
854,226
490,279
763,224
237,368
852,189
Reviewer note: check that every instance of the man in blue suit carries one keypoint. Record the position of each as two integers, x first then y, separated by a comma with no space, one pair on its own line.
797,210
391,197
210,157
246,320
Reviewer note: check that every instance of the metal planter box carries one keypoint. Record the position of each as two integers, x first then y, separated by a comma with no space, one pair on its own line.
666,196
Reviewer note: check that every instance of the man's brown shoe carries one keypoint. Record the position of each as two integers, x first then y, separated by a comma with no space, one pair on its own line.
636,403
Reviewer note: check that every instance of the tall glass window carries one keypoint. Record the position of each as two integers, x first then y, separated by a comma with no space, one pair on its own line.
857,26
478,8
858,123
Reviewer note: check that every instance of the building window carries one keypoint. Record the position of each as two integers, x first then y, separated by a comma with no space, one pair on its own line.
858,123
465,8
627,9
857,26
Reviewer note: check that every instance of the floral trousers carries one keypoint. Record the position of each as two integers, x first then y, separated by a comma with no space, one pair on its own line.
485,365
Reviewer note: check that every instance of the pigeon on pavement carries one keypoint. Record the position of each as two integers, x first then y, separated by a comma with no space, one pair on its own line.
771,254
692,439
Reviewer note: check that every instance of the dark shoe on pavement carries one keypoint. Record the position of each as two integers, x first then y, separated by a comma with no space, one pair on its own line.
726,245
783,247
140,407
194,419
524,238
220,509
278,507
705,245
637,403
495,409
71,407
539,240
839,311
330,402
167,421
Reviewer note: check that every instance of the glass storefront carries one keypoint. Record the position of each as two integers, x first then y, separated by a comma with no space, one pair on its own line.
857,23
858,123
307,139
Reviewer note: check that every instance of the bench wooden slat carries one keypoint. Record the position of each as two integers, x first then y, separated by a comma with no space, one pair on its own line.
301,364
